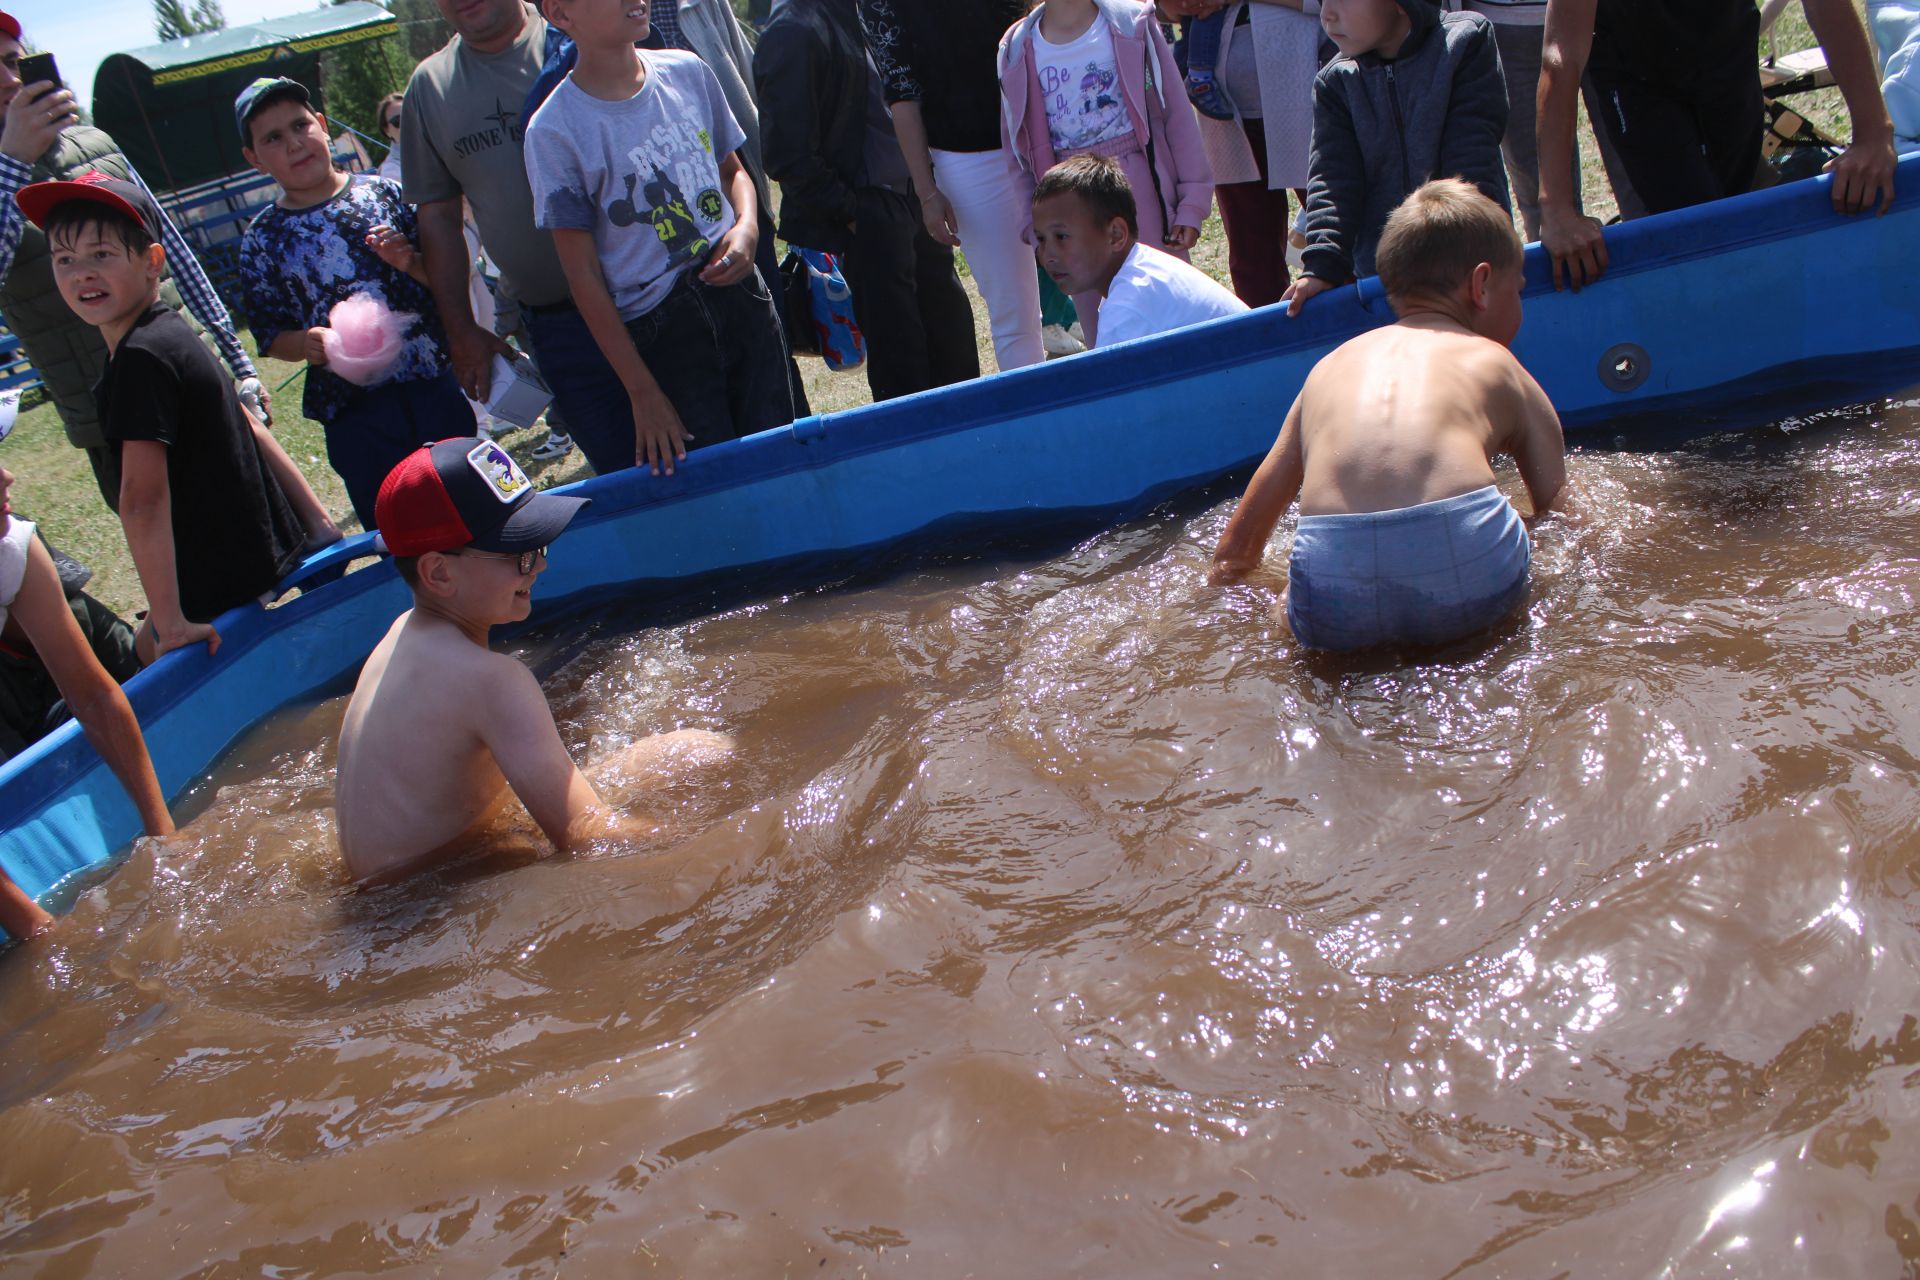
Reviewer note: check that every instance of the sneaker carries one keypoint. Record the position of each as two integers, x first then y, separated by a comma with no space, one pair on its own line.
1058,342
1207,96
554,446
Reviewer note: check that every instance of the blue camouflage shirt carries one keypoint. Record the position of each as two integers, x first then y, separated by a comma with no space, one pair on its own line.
295,264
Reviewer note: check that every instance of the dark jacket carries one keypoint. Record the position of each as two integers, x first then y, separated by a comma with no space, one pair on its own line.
1382,128
810,70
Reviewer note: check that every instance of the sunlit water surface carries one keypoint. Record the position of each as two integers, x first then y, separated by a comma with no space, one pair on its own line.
1081,926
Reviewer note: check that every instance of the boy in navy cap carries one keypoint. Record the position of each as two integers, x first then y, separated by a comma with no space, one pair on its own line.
331,236
209,525
439,726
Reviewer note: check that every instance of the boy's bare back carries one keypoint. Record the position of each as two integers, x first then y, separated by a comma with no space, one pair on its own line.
1414,413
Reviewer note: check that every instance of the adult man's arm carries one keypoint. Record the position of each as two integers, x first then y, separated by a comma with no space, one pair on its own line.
1572,239
439,203
198,292
13,176
443,244
33,123
1863,173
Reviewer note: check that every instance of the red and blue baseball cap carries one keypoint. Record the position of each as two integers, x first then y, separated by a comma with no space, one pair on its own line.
129,198
467,492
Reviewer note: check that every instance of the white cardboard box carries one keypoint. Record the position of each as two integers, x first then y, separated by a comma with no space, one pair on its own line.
518,394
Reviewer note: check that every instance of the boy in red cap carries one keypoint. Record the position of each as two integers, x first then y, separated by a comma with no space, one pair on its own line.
193,476
440,727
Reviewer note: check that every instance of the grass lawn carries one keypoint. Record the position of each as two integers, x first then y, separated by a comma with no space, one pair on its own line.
55,485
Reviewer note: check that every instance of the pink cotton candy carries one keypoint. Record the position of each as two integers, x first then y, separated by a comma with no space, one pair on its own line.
364,338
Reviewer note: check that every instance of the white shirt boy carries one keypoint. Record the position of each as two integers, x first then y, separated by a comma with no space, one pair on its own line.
1154,292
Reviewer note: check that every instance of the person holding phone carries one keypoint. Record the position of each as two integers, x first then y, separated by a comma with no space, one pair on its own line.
41,139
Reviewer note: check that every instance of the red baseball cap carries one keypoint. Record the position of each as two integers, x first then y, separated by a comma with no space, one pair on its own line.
467,492
129,198
9,24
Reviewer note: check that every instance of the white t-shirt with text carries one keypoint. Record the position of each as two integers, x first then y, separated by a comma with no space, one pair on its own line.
1154,292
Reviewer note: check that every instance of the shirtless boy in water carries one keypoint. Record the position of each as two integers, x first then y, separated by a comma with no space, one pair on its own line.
440,727
1403,537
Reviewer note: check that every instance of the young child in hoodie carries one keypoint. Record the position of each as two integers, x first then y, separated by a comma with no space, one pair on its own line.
1414,95
1097,77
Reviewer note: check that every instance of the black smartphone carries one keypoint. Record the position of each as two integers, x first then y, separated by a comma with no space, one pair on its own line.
39,68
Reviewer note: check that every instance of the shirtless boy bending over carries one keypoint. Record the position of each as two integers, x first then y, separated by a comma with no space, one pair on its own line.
440,726
1403,537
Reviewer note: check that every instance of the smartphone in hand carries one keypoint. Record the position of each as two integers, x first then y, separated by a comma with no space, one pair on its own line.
39,68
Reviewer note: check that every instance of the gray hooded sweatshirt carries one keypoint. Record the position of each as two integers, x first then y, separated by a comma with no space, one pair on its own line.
1382,127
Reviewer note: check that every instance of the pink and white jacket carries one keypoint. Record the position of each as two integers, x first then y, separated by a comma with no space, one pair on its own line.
1156,99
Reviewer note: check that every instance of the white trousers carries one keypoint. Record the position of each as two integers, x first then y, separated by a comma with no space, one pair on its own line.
988,213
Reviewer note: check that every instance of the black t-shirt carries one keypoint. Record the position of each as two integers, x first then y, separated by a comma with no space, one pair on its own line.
943,54
234,535
1676,41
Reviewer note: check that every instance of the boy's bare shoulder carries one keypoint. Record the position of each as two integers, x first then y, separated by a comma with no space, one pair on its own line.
434,660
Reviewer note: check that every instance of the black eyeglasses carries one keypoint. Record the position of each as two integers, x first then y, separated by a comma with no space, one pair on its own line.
524,559
393,122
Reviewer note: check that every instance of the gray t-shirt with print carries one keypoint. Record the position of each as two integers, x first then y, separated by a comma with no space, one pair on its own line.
461,134
642,175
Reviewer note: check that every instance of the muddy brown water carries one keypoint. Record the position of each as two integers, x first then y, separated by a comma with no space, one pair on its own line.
1084,928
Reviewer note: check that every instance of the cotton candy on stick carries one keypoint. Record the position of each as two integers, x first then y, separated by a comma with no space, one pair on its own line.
363,338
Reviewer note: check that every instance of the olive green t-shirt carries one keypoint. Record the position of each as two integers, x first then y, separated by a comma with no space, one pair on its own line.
461,134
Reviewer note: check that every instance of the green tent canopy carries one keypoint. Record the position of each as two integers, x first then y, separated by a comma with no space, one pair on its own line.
170,107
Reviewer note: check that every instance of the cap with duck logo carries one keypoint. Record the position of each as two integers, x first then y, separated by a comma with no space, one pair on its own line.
467,492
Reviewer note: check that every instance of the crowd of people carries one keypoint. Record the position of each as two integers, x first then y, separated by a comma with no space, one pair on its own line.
616,165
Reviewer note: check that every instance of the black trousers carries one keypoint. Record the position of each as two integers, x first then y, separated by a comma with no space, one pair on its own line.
907,299
1684,138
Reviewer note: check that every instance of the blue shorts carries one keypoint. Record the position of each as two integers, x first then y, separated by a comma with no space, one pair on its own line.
1427,574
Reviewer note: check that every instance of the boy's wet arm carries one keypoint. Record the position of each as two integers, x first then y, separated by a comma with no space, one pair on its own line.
1538,445
1272,490
518,730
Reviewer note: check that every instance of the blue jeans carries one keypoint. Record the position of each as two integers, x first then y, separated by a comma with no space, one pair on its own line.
369,437
585,388
719,356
